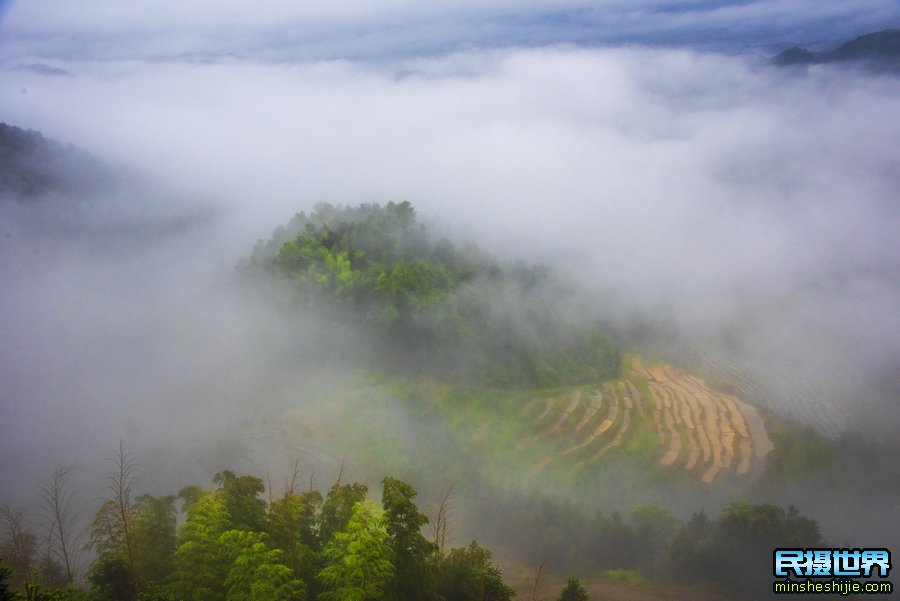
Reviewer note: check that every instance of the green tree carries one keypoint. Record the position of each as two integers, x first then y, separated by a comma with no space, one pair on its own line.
255,571
190,495
111,579
573,591
291,526
614,544
5,576
200,569
155,538
156,592
358,566
241,495
411,553
800,531
743,539
338,508
689,552
654,528
470,575
36,592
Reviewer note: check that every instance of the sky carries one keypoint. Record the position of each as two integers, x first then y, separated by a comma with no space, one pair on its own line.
365,30
646,149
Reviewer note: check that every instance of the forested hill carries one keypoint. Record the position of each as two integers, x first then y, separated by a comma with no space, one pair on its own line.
63,193
423,306
33,166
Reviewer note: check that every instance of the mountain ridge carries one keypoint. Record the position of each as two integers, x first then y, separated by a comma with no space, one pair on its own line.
879,50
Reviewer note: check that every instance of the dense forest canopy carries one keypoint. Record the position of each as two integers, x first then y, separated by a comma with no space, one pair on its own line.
441,310
228,543
232,545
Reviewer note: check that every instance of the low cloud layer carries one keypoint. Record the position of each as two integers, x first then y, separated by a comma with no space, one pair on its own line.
752,210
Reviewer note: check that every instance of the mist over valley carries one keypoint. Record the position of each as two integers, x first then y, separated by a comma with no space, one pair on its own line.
614,301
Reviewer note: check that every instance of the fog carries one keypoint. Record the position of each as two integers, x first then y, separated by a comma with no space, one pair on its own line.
726,206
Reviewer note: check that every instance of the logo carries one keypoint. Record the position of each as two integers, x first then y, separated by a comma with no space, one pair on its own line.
832,571
826,563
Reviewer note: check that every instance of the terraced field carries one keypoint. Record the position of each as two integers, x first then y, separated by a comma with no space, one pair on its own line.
653,421
701,431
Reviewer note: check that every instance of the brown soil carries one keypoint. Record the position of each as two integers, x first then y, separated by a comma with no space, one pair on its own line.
617,439
693,450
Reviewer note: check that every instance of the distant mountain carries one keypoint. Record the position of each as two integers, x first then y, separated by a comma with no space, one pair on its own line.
32,166
879,50
62,190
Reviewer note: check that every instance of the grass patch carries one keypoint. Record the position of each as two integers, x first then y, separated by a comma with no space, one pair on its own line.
642,441
643,386
637,581
631,578
799,453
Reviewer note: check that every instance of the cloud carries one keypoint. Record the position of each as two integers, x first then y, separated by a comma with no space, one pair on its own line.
697,184
751,209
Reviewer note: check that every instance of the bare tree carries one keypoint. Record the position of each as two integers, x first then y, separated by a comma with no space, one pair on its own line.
113,528
290,486
19,544
122,480
340,476
57,506
440,517
536,582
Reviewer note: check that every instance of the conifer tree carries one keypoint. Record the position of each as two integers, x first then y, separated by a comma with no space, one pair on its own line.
573,591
